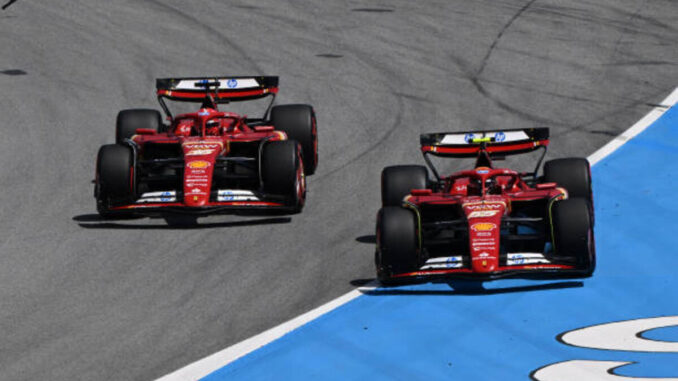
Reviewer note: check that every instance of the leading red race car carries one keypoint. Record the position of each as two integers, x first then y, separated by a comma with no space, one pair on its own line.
209,161
486,222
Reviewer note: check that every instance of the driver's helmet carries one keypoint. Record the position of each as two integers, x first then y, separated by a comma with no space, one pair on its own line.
212,127
474,187
492,186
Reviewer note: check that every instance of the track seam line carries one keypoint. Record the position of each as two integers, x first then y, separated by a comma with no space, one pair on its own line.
218,360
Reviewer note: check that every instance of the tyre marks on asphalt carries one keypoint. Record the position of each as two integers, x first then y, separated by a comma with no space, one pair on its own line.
216,34
496,40
373,10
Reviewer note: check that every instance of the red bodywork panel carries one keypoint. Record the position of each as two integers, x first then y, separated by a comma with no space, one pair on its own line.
484,209
204,136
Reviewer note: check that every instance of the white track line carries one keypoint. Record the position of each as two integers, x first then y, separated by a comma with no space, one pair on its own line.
636,129
209,364
218,360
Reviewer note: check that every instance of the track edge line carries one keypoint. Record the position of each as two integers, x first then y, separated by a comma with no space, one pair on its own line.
633,131
218,360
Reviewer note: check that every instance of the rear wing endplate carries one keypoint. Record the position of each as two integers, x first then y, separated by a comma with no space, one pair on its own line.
221,89
496,142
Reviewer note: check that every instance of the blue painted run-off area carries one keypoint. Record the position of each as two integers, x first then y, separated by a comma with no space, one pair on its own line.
505,329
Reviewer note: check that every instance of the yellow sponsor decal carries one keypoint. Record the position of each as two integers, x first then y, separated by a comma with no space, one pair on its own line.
198,164
483,227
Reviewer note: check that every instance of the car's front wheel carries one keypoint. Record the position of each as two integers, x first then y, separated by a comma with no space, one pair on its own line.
573,233
114,178
397,243
282,172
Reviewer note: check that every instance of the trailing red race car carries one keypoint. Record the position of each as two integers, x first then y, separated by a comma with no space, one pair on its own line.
486,222
209,161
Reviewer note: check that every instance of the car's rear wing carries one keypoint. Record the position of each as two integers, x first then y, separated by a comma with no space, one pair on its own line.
494,142
221,89
485,145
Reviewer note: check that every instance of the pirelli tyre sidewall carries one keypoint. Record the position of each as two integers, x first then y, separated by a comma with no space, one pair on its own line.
299,123
397,244
573,233
114,177
282,172
128,121
397,181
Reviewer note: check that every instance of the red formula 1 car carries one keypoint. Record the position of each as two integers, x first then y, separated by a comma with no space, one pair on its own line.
209,161
485,222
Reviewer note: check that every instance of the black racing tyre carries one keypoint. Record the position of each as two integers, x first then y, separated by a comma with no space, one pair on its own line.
573,174
282,172
397,243
129,120
299,123
573,232
114,177
397,181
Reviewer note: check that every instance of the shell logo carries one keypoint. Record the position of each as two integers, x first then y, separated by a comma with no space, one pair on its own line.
198,164
483,227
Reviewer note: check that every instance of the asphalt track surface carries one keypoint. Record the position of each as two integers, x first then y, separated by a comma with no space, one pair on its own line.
83,298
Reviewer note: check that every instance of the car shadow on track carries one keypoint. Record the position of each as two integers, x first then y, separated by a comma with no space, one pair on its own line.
94,221
464,287
368,239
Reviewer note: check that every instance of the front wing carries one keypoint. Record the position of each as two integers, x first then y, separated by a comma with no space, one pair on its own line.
545,271
223,201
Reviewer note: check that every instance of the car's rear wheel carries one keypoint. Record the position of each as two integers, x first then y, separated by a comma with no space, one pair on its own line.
397,243
573,174
129,121
298,122
282,172
114,178
573,233
397,181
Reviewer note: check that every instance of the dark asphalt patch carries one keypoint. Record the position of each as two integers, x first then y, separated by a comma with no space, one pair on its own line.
373,10
251,7
13,72
372,239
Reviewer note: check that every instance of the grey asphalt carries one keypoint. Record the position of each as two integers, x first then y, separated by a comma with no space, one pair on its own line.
82,298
